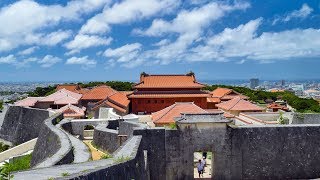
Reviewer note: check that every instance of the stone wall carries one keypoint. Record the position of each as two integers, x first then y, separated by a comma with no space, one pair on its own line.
22,124
106,139
127,127
128,163
306,118
53,146
276,152
261,152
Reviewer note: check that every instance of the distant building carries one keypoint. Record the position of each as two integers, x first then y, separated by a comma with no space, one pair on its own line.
167,115
283,83
156,92
237,105
222,94
254,82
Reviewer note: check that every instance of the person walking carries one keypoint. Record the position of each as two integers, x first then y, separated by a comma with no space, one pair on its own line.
200,167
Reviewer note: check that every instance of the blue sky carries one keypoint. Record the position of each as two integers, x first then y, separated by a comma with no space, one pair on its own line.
83,40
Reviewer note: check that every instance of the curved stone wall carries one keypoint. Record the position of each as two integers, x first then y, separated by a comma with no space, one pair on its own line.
22,124
53,146
128,163
106,139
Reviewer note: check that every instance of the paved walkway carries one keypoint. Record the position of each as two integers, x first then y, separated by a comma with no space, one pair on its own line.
95,153
207,169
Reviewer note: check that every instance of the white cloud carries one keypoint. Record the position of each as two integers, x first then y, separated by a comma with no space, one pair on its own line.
49,61
124,54
55,38
26,62
126,11
162,42
28,51
189,25
82,41
244,42
303,12
10,59
25,19
84,61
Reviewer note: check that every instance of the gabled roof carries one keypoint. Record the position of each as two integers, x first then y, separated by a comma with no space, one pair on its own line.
226,94
62,96
277,106
238,104
167,115
98,93
118,101
119,98
168,81
28,102
72,111
219,92
213,100
70,87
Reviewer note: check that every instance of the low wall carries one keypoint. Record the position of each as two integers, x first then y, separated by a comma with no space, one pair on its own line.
127,127
106,139
127,163
18,150
306,118
53,146
81,151
22,124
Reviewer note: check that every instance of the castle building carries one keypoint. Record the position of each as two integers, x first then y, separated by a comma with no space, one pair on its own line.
156,92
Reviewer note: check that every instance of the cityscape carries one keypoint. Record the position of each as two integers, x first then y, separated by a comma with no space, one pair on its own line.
159,89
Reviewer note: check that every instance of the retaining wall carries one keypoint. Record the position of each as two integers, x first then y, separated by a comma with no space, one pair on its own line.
128,163
53,146
106,139
22,124
306,118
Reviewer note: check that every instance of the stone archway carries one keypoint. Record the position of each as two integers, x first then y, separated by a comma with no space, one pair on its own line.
88,130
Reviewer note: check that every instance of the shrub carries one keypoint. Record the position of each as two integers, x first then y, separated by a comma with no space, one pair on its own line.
106,156
3,147
18,164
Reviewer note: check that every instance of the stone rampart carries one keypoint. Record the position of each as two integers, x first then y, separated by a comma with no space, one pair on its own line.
53,146
106,139
22,124
127,163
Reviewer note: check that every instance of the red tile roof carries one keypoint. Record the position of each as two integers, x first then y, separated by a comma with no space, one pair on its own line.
277,106
70,87
168,81
98,93
28,102
62,96
119,98
167,115
238,104
213,100
219,92
168,94
72,111
226,94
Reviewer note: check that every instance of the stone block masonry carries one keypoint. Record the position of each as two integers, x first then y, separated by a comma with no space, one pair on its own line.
22,124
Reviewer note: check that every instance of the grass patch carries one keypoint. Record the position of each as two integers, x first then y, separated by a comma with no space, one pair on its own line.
64,174
106,156
122,159
18,164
